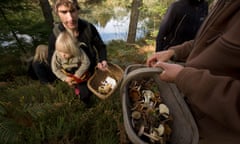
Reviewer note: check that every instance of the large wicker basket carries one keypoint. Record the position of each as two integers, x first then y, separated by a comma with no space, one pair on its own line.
184,129
114,71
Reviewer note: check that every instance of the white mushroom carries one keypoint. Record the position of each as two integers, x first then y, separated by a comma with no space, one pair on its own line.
156,136
104,89
160,130
164,110
148,95
111,81
152,137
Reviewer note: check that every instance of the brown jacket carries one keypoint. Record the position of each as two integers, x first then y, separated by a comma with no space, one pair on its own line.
211,79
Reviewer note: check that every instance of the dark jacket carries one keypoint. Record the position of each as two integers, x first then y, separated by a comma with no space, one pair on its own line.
211,79
43,72
88,34
181,23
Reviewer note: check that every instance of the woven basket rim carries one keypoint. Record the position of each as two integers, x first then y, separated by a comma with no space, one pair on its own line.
119,79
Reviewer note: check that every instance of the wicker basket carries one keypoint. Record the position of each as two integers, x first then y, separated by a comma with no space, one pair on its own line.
114,71
184,129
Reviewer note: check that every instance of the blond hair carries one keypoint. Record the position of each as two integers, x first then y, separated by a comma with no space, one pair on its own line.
68,3
41,53
67,43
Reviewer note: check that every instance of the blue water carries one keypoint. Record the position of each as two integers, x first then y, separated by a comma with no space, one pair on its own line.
113,36
117,29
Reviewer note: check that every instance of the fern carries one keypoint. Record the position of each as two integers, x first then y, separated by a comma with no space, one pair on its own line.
10,131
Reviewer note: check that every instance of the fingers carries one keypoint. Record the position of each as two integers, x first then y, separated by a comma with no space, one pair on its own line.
160,56
159,64
152,60
162,75
69,81
102,65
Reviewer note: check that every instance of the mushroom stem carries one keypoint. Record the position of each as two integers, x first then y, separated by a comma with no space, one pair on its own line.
141,132
151,137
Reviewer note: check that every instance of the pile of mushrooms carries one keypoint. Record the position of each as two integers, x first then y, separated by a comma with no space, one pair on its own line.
107,85
150,117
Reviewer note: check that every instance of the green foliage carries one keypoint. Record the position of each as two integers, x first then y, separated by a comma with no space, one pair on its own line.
22,17
39,113
10,66
154,10
125,54
34,113
9,131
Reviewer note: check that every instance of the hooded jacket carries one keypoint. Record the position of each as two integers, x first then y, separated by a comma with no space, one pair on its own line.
210,80
181,23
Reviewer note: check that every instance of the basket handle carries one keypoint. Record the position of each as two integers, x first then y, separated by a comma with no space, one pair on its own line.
147,71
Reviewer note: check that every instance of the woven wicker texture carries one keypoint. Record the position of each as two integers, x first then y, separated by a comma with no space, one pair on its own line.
114,71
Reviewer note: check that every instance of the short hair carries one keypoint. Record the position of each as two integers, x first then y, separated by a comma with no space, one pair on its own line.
67,43
41,53
68,3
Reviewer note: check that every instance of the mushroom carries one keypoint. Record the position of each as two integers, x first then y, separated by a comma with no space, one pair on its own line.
152,137
164,110
135,94
155,134
160,130
148,95
136,115
104,89
111,81
137,106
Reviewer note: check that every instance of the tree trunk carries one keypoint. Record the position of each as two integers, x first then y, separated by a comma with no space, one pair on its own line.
133,20
47,12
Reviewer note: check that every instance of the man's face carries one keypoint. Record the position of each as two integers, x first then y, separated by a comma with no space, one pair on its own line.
68,16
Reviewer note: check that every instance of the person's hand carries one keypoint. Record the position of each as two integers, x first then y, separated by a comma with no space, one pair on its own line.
102,65
170,71
69,81
162,56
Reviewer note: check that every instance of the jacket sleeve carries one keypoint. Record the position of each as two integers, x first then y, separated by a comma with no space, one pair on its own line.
182,51
56,67
98,43
212,95
214,88
85,63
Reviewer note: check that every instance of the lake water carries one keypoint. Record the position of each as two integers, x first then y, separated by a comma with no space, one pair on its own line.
115,29
118,30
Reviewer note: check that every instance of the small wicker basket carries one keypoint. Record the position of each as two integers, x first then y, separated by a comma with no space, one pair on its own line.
96,80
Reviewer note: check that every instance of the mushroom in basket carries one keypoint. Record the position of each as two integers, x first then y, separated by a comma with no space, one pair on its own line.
107,85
